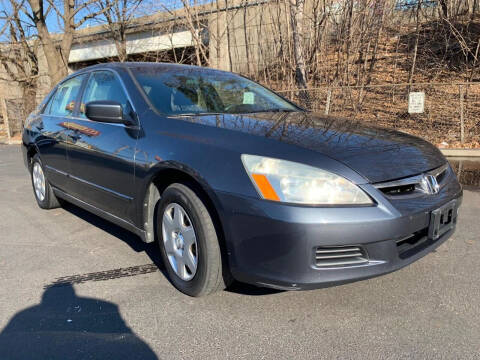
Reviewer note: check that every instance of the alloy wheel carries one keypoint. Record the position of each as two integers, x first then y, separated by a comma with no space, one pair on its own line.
38,181
180,241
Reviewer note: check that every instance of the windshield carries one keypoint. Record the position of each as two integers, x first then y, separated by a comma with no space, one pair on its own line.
193,91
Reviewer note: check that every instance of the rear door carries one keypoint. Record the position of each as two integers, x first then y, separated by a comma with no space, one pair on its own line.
101,155
53,127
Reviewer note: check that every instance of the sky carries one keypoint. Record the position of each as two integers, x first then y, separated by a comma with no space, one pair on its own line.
55,24
147,7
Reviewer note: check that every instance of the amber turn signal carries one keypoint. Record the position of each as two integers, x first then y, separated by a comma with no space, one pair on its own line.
265,187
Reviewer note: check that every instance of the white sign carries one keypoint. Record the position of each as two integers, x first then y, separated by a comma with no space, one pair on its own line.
416,102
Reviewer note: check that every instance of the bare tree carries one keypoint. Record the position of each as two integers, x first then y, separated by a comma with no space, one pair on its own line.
444,6
417,36
296,19
118,16
18,55
72,16
196,27
474,8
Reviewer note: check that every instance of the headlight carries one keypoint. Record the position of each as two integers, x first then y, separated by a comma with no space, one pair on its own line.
291,182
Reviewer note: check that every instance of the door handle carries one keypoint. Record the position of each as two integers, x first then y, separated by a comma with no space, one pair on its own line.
75,136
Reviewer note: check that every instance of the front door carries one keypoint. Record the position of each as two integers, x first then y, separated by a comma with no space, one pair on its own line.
102,155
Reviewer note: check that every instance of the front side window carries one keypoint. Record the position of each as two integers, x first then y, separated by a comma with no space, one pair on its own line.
104,85
192,91
63,101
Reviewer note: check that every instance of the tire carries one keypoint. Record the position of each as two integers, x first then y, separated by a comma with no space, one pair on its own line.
208,276
47,199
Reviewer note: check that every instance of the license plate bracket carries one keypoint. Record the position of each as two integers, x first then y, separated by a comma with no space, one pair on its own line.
442,220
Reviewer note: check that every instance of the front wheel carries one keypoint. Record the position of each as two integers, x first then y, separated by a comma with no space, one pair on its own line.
188,242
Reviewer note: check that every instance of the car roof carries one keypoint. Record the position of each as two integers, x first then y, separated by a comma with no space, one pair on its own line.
147,65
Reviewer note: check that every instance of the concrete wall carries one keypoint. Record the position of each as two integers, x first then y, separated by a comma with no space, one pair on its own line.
253,29
137,43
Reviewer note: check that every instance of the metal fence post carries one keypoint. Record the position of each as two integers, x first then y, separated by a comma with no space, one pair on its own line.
329,99
3,105
462,124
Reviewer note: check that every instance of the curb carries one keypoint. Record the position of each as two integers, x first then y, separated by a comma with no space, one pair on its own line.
11,142
461,152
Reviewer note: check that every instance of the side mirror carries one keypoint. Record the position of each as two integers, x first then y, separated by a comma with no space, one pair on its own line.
105,111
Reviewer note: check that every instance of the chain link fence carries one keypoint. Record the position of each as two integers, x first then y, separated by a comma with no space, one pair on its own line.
451,116
16,114
12,117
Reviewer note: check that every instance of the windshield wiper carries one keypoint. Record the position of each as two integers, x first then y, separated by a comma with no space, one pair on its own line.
269,110
282,110
198,114
227,113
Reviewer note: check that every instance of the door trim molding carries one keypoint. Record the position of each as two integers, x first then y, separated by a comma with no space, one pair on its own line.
102,213
99,187
57,171
96,186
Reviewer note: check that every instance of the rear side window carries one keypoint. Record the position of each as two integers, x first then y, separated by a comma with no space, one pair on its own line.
43,106
63,101
104,85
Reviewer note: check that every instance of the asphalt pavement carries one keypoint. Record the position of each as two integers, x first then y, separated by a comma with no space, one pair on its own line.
73,286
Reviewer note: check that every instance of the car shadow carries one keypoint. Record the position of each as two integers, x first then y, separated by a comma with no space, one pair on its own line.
132,240
152,250
67,326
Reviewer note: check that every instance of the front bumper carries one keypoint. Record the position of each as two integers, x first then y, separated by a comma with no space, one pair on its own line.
273,244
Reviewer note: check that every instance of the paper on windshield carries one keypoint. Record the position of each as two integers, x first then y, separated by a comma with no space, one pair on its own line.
249,98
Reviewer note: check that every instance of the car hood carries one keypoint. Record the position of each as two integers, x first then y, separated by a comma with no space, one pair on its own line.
376,153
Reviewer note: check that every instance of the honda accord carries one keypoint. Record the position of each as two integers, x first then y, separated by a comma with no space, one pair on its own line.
235,182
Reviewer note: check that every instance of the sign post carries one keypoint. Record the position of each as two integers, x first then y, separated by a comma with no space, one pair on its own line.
3,105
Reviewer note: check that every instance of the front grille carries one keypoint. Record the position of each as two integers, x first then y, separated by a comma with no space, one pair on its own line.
340,256
441,175
415,185
398,190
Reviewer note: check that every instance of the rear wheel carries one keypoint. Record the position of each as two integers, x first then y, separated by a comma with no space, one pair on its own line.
42,190
188,242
